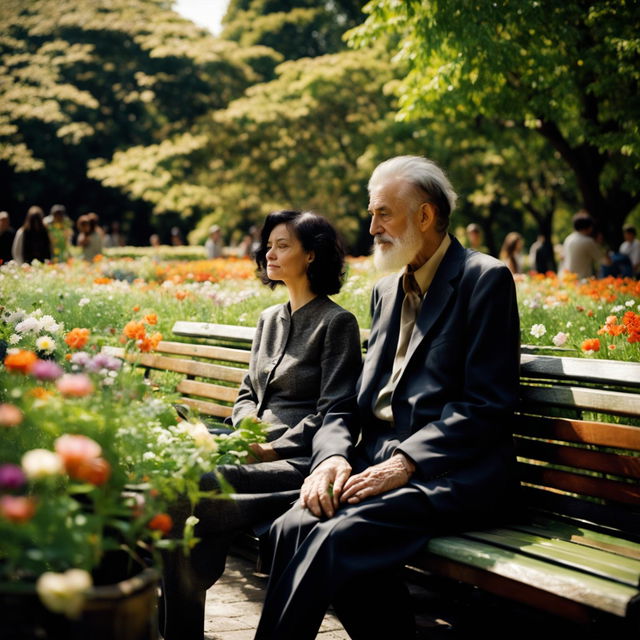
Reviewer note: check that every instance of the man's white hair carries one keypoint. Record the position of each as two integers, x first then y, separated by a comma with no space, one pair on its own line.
423,174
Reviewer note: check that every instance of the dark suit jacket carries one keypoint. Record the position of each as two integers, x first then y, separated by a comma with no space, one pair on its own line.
301,364
453,404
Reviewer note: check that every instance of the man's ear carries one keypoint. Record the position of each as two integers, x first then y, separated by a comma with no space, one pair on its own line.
426,216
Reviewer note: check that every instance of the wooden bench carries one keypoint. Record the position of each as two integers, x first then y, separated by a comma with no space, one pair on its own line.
576,552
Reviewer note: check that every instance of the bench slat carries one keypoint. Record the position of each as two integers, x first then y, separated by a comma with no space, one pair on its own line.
616,464
581,535
616,373
208,408
208,390
613,402
587,559
587,589
597,433
583,485
213,331
616,520
204,351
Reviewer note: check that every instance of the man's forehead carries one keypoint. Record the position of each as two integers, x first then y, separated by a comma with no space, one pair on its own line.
386,193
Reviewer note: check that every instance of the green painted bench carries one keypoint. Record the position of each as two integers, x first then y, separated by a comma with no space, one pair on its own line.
576,553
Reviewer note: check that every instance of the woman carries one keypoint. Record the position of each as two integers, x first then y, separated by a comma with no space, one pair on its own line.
306,356
89,236
32,240
511,252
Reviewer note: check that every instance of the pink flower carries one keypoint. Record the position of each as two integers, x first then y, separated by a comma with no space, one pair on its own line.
11,476
46,370
17,509
75,385
10,415
76,451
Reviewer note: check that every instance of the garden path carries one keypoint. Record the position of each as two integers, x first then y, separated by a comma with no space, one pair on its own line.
234,604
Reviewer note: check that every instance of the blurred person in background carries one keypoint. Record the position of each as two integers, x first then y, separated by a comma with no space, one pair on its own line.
60,230
511,252
90,240
7,234
474,238
32,240
214,245
115,237
631,248
541,255
582,255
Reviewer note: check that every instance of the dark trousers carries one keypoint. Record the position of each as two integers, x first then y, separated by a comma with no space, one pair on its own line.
262,492
351,561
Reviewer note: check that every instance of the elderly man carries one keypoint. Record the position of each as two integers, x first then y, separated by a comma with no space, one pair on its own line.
425,447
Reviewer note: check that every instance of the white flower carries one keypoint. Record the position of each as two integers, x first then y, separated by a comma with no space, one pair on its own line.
617,309
49,324
40,463
569,324
46,344
629,303
560,338
14,338
199,432
64,592
149,455
83,301
28,325
538,330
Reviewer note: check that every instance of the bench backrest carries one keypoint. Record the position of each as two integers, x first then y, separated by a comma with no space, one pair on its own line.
578,451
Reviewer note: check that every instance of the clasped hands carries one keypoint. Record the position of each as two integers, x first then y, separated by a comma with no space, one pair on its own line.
331,483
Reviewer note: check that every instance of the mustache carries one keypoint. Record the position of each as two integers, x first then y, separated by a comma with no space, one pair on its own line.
382,238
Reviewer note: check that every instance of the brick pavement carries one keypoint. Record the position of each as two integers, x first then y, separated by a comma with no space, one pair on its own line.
452,612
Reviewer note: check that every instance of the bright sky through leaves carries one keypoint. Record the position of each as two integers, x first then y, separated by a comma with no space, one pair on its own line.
206,13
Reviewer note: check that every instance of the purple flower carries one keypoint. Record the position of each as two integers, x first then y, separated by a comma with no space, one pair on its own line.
103,361
81,358
46,370
11,476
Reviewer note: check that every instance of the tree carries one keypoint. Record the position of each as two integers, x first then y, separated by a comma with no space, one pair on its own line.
294,28
80,80
568,71
308,139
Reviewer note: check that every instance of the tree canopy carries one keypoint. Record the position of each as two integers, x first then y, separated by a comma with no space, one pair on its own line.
566,70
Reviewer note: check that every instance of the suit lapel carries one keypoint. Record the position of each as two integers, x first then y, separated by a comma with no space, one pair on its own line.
436,298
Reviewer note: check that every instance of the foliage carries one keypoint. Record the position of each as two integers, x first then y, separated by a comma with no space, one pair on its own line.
91,456
567,71
81,80
298,29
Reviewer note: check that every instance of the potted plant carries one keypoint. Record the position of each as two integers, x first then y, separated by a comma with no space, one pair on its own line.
91,457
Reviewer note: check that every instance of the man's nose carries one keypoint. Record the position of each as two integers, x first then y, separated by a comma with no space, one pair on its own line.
374,226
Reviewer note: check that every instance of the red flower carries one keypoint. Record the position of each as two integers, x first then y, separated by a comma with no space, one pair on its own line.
161,522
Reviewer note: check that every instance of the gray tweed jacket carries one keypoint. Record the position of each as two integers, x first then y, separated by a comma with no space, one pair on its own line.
301,365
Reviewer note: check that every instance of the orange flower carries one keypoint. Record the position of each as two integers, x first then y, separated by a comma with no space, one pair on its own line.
77,338
149,343
102,281
95,471
591,344
181,295
134,330
21,361
151,318
136,308
161,522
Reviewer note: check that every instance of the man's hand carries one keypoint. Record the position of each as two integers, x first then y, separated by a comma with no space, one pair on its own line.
261,453
322,488
390,474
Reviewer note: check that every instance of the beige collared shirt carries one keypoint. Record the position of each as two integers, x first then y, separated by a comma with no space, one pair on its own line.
412,302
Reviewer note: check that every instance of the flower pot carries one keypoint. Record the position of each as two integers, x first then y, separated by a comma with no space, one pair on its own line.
126,610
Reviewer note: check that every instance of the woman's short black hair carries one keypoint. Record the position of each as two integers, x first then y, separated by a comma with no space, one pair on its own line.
316,234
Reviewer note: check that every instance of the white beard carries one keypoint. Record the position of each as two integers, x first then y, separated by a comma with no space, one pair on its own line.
392,254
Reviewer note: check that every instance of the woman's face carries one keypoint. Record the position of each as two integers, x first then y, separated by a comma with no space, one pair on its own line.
287,261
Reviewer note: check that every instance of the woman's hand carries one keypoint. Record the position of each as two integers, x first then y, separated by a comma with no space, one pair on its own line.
261,453
322,488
